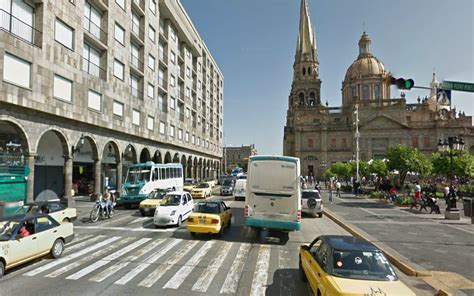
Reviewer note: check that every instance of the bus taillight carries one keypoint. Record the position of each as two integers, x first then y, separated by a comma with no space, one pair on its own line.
299,215
246,211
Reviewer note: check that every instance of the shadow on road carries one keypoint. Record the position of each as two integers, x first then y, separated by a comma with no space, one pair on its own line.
366,205
287,282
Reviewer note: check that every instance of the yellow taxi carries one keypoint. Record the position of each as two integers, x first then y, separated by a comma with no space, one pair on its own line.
209,217
189,186
202,190
26,237
340,265
148,205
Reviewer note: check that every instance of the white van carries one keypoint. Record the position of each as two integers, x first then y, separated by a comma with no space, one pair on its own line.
273,197
240,189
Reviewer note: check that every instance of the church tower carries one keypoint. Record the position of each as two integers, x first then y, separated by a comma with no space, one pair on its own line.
304,100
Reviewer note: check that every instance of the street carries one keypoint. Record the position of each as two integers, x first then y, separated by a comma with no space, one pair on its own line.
128,255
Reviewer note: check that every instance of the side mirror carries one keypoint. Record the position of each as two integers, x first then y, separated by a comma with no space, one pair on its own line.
18,237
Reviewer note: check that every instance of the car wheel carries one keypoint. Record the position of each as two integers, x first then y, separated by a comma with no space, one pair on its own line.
58,248
301,273
2,268
67,220
220,234
320,215
229,223
193,234
179,221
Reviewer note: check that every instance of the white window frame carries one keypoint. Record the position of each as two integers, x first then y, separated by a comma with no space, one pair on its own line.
135,117
117,108
186,137
171,130
188,72
150,122
152,6
162,127
93,106
122,65
118,28
172,80
172,103
151,62
59,82
180,134
59,39
173,57
151,33
151,88
121,3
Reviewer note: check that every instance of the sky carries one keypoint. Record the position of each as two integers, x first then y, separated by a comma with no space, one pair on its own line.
254,42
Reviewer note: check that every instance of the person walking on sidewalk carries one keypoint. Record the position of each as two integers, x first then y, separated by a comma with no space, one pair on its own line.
338,188
329,187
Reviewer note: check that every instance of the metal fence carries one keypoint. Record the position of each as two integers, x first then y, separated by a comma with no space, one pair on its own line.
19,28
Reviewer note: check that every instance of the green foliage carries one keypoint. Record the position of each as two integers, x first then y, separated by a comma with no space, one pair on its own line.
340,169
462,165
230,167
407,159
403,200
363,168
376,194
379,167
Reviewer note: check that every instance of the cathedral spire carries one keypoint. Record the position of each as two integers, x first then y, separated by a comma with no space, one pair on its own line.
306,45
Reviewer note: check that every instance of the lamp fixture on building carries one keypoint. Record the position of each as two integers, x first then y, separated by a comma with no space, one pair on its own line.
78,147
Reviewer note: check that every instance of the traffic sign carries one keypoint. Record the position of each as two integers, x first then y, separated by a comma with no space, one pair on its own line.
456,85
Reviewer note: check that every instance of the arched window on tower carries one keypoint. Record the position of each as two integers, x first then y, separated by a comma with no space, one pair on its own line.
365,92
309,71
354,93
301,96
304,71
312,99
377,92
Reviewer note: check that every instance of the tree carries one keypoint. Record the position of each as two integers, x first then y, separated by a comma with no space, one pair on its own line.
379,167
462,165
340,169
363,168
407,159
230,167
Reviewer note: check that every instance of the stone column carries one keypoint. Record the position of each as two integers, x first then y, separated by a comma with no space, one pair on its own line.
31,178
119,178
68,181
185,171
97,170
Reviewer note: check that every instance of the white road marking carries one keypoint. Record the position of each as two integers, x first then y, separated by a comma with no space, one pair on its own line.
141,219
72,256
113,221
232,279
162,269
203,282
84,243
261,272
147,262
98,264
286,282
188,267
85,259
141,229
80,238
126,261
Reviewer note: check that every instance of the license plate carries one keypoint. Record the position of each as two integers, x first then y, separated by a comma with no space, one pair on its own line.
202,221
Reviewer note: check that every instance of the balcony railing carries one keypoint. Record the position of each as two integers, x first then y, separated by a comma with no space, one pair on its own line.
180,94
137,62
95,30
139,4
138,31
93,69
163,57
135,92
20,29
163,83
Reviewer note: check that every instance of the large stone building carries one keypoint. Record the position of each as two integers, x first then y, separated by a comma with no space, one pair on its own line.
90,86
320,135
239,155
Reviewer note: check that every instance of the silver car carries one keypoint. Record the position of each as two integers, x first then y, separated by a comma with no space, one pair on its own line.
311,202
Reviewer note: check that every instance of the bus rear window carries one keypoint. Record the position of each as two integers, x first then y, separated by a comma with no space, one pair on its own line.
273,176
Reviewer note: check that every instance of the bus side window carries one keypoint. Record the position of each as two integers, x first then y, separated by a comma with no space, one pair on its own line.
163,174
180,171
168,175
155,174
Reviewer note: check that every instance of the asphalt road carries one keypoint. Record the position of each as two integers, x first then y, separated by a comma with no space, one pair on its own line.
128,255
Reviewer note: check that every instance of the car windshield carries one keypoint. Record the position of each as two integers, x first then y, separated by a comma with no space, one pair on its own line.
158,194
227,183
171,200
6,229
138,174
207,208
310,194
203,185
368,265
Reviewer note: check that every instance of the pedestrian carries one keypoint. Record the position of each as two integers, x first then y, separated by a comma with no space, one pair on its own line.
329,187
338,188
417,191
446,193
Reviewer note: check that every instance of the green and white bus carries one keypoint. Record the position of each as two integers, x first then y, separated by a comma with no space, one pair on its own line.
143,178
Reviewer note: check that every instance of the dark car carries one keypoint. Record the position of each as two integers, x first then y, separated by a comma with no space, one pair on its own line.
228,187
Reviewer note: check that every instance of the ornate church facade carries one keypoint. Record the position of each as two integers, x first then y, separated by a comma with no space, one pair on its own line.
321,135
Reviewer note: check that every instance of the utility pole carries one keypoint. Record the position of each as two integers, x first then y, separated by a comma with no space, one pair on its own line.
357,136
225,157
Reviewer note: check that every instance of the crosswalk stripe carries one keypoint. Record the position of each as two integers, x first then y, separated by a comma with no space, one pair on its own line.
162,269
205,279
140,229
71,257
98,264
80,238
94,255
126,261
184,272
286,282
141,219
232,279
261,272
147,262
84,243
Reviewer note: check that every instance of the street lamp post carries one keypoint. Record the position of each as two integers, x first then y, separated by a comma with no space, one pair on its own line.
453,146
357,136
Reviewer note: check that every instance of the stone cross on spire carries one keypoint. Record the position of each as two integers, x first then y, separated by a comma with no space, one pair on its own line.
306,45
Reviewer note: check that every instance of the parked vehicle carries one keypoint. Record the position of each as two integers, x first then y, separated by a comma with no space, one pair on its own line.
143,178
210,217
227,187
102,209
237,172
26,237
202,190
53,208
174,208
346,265
311,202
189,184
240,189
273,198
148,206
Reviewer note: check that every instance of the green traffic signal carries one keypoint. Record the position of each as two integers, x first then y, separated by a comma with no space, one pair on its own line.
402,83
409,83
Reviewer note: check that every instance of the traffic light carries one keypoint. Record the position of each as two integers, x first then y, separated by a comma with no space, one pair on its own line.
402,83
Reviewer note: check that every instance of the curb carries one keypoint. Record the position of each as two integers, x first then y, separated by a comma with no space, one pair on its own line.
404,267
